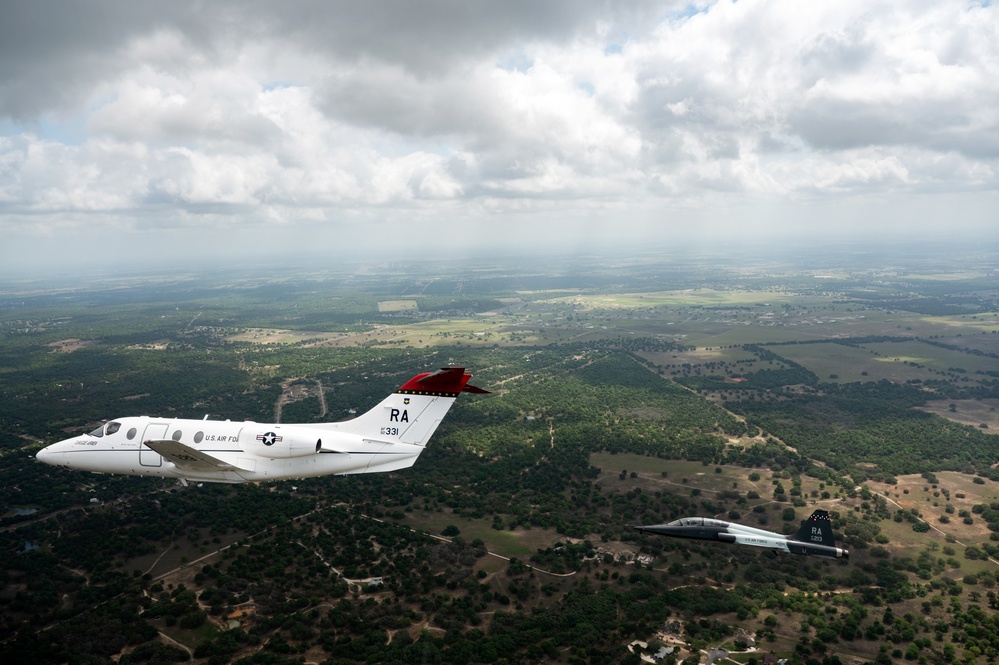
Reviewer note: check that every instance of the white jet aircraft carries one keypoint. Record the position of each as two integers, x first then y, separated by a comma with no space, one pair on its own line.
388,437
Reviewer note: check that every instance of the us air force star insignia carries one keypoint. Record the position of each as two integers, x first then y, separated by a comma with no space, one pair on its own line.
268,439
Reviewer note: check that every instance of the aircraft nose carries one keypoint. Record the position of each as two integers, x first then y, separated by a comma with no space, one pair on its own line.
47,455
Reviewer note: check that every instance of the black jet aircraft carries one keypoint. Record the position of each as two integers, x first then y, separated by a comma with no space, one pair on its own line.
814,538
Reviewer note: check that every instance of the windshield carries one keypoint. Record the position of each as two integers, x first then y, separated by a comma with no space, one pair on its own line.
108,429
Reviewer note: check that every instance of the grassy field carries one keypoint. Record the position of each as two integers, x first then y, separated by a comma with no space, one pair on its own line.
521,543
914,491
682,478
986,323
985,342
898,362
702,356
849,363
397,305
277,336
968,412
932,357
686,298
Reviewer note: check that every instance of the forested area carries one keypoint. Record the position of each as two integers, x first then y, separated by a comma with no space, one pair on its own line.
873,423
510,540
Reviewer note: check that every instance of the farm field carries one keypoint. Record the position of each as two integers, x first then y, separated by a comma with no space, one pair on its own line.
933,358
839,363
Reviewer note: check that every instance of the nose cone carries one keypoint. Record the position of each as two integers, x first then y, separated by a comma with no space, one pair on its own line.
661,529
46,455
54,454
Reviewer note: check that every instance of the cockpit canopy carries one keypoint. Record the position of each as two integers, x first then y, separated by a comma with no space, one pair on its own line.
697,521
109,428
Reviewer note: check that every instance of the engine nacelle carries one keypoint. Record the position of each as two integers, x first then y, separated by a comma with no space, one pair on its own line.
281,442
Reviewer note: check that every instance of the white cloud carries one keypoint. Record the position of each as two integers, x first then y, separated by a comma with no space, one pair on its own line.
333,114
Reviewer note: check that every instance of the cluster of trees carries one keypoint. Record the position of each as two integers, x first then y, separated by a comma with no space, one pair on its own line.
873,423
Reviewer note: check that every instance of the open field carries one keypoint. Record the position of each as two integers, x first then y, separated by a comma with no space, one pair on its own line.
930,499
704,357
982,323
968,412
70,345
686,298
278,336
397,305
845,364
934,358
520,543
710,481
986,342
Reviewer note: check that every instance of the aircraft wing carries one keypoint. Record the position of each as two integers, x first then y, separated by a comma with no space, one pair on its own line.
189,459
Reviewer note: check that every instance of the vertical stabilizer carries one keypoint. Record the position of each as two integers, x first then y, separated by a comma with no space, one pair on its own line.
413,412
816,530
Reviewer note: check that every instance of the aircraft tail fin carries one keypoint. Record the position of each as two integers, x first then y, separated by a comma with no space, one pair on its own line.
816,530
413,412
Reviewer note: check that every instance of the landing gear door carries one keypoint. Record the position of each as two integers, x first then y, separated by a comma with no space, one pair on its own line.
154,432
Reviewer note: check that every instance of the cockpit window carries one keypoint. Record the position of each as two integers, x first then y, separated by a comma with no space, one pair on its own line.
98,432
112,428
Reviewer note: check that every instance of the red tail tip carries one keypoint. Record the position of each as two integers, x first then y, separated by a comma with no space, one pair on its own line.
451,380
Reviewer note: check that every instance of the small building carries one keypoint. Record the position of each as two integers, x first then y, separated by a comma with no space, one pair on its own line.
662,653
715,654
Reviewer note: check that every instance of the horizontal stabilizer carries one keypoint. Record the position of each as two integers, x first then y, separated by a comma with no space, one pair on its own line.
189,459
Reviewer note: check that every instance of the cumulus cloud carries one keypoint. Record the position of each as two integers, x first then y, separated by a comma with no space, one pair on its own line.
338,113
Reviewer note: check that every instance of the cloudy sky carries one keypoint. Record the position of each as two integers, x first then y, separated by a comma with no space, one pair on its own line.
217,130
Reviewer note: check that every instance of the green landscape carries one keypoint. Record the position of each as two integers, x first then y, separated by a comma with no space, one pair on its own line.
625,390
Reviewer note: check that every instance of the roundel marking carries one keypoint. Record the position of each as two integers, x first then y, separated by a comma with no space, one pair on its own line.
269,438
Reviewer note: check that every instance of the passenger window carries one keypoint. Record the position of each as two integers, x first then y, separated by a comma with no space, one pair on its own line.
199,437
112,428
176,435
130,434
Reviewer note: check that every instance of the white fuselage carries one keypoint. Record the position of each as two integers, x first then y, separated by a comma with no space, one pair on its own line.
298,452
388,437
735,533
